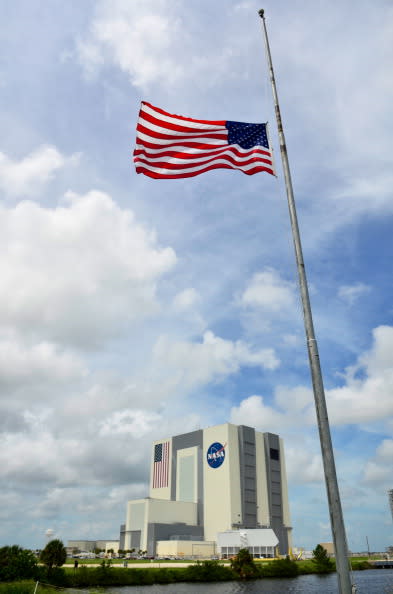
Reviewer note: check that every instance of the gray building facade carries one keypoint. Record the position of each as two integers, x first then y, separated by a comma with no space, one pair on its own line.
209,481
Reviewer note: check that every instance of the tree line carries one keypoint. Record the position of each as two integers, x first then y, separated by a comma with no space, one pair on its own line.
17,563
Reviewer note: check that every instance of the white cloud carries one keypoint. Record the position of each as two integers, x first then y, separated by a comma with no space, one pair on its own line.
375,473
378,471
40,363
74,452
302,465
366,399
264,417
138,37
291,409
291,415
186,313
35,458
190,364
60,455
186,299
27,176
355,198
363,399
291,340
385,451
269,292
351,293
80,272
132,422
152,42
295,399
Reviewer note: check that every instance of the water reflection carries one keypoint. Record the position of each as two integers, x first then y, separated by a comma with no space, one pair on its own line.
376,581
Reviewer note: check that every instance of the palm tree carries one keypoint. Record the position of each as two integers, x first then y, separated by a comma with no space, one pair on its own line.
54,554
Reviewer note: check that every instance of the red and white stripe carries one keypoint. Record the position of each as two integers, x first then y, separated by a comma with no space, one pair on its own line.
161,469
170,146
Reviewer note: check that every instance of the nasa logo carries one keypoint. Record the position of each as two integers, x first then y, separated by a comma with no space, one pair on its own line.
215,454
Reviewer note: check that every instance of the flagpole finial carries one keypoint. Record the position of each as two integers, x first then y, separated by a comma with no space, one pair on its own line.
261,13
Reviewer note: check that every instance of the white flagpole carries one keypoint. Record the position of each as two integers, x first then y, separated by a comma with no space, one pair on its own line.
335,510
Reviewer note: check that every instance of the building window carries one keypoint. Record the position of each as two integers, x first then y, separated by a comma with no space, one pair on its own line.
274,454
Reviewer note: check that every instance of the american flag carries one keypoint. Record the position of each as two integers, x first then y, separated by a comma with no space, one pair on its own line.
170,146
161,465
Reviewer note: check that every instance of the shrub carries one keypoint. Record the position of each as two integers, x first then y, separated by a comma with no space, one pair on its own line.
54,554
166,575
321,560
56,576
80,578
207,571
16,563
279,568
243,565
360,565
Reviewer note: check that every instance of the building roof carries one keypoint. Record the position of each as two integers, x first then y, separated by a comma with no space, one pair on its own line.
258,537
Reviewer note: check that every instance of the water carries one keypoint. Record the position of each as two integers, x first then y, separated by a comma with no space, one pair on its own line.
371,581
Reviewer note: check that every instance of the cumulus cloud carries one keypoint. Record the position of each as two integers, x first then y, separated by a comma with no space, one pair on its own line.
294,399
186,299
269,292
289,414
263,416
131,422
378,471
302,465
356,196
45,456
34,459
152,43
27,176
32,379
290,408
112,448
138,37
366,395
80,272
351,293
270,304
42,362
192,364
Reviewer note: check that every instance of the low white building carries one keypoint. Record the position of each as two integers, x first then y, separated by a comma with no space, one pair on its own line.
151,520
187,549
261,543
112,545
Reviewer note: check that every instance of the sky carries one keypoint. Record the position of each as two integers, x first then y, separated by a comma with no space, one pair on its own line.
133,309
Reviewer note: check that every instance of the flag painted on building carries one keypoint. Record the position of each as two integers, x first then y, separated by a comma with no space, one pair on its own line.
161,465
170,146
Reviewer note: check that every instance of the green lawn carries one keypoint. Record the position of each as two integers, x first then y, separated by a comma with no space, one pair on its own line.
24,587
70,561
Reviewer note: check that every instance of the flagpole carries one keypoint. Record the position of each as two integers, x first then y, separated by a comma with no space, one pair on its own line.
335,510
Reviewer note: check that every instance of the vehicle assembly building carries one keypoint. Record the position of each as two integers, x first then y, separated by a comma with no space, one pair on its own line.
213,491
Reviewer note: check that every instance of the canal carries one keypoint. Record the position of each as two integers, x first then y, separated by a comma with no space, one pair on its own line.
371,581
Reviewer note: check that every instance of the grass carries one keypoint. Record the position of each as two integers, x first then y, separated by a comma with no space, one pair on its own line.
24,587
70,561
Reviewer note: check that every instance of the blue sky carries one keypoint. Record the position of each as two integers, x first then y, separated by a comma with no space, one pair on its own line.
133,309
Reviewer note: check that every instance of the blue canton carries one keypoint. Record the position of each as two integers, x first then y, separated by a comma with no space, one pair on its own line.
158,453
247,135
